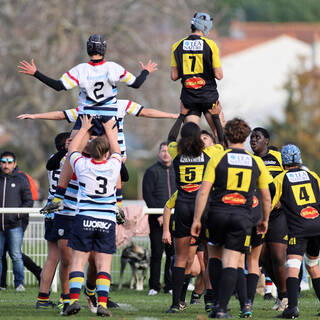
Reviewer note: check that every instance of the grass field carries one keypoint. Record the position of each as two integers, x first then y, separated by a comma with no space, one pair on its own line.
139,306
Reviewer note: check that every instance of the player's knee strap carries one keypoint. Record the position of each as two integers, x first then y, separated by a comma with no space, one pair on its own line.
293,263
311,262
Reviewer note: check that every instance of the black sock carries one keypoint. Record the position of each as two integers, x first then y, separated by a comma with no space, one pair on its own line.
187,278
208,297
282,295
241,287
292,290
178,276
90,286
215,268
252,282
316,287
228,279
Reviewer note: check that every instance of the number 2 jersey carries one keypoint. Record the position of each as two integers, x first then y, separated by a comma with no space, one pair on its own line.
97,185
97,82
235,173
196,57
299,194
189,170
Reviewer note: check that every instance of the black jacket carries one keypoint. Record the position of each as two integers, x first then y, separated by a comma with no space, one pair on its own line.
14,192
158,185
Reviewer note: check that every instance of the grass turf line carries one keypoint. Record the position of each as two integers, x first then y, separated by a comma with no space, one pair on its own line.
138,305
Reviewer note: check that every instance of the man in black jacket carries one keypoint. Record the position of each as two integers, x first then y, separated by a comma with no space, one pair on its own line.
158,186
14,192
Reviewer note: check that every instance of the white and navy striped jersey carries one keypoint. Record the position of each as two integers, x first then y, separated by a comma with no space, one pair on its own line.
124,107
97,185
97,82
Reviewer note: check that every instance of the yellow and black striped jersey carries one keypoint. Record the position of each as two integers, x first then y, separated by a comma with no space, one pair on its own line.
298,191
195,58
189,171
273,162
235,174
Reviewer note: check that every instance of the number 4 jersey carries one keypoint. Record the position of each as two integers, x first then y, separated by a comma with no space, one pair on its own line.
97,185
97,82
299,194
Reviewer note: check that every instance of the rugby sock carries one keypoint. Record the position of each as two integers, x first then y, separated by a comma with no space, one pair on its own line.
43,298
119,197
66,298
268,285
228,279
292,289
241,287
59,194
90,289
282,295
75,283
215,268
252,282
103,286
187,278
178,276
316,287
208,297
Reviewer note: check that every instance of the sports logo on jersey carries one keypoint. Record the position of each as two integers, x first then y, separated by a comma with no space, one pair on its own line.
234,199
92,224
194,83
193,45
298,176
191,187
239,159
184,159
255,202
309,213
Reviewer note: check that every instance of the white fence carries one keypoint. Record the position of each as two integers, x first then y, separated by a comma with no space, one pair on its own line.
35,246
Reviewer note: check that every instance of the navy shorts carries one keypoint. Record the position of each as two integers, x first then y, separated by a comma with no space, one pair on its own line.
302,245
63,226
49,230
277,229
97,129
93,234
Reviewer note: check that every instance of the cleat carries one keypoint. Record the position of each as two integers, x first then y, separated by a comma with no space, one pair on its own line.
173,309
103,312
47,304
246,311
71,309
290,313
121,218
111,304
52,206
213,311
208,306
182,306
268,296
20,288
92,301
280,305
223,315
64,308
195,298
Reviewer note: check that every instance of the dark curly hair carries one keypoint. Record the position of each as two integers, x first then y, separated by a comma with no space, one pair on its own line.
236,130
190,143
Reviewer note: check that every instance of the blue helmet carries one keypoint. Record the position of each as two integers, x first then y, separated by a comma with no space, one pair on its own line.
290,154
96,45
202,21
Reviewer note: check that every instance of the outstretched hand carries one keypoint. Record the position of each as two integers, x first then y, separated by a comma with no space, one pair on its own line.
27,68
150,66
86,122
26,116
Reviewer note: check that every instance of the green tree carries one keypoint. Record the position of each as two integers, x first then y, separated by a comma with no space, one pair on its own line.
301,118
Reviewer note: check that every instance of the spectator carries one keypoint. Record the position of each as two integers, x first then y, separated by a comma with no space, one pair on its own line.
158,186
15,192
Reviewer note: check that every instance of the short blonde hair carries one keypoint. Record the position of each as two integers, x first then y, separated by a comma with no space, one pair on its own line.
98,147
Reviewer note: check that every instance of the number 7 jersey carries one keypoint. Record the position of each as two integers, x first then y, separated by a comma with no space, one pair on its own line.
298,191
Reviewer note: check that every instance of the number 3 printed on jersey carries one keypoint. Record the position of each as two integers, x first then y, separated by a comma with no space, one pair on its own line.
239,179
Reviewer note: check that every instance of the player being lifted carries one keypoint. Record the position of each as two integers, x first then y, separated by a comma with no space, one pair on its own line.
97,81
195,60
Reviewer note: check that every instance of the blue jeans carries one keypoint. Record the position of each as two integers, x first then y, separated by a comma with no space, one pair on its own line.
13,237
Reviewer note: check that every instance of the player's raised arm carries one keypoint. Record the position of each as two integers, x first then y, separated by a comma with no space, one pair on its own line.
112,134
154,113
53,115
31,70
146,69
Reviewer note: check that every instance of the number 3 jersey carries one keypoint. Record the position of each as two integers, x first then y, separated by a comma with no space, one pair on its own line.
97,185
235,173
97,82
195,58
299,194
